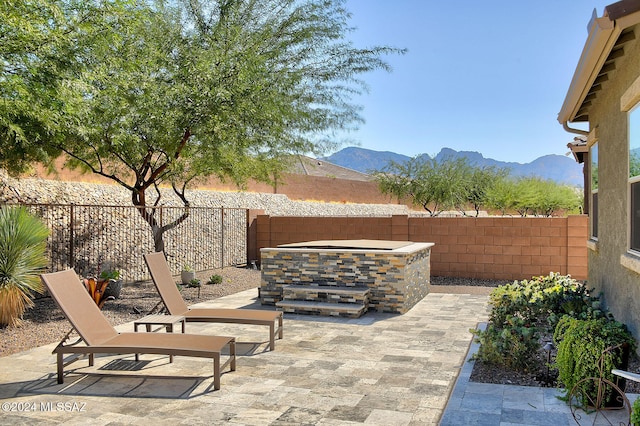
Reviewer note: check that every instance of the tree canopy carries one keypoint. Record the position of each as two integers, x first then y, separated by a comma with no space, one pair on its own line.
33,34
433,185
437,186
534,196
453,183
166,92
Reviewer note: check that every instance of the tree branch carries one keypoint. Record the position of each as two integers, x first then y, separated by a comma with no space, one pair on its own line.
99,171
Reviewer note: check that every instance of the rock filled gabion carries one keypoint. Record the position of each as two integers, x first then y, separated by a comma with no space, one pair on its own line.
116,237
31,190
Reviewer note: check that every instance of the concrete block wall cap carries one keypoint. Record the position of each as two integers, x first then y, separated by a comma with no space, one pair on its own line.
355,246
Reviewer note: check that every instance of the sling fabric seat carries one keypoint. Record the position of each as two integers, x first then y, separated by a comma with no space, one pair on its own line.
97,335
161,276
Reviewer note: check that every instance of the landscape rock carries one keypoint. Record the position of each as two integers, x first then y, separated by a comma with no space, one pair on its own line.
34,190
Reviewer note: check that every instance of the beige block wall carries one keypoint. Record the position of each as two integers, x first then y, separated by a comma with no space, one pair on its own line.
501,248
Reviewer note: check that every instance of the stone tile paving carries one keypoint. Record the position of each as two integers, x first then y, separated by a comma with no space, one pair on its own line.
483,404
381,369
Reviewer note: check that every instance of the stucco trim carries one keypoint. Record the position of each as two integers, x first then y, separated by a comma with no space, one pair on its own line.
592,138
630,97
631,261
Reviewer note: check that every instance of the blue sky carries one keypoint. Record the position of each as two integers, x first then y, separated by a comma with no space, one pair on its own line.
487,76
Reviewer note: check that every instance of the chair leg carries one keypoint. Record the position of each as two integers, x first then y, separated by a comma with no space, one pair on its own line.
232,354
272,337
280,327
170,330
60,363
216,371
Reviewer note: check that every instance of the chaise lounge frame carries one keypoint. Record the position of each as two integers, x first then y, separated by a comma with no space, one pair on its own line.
97,335
163,280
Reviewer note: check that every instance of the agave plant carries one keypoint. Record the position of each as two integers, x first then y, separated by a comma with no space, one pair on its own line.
22,257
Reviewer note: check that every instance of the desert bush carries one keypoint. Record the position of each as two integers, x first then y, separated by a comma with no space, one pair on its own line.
215,279
581,344
543,300
635,413
512,345
22,257
521,311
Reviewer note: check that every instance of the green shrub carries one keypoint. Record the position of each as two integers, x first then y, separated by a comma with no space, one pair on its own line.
110,274
541,300
512,345
521,311
581,343
22,258
215,279
635,413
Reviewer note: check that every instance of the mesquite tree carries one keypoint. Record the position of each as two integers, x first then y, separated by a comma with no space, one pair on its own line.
33,34
454,183
167,92
434,185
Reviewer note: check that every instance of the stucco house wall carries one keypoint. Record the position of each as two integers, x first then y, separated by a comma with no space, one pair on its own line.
613,269
619,284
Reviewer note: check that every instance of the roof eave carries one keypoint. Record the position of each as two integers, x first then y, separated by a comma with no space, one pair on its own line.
578,148
602,36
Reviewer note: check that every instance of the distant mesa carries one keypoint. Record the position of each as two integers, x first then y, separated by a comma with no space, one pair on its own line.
558,168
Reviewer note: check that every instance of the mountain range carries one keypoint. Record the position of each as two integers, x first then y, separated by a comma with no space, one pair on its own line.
558,168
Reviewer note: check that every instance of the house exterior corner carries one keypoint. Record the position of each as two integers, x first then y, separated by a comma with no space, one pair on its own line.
609,101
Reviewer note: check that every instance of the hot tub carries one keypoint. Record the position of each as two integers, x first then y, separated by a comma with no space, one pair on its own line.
396,273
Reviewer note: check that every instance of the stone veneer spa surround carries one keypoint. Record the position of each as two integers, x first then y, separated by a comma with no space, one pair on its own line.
397,273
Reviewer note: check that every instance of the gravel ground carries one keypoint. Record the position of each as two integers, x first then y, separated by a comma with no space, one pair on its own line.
46,323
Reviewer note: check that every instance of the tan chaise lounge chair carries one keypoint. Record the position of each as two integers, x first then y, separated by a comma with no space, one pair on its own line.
97,336
161,275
